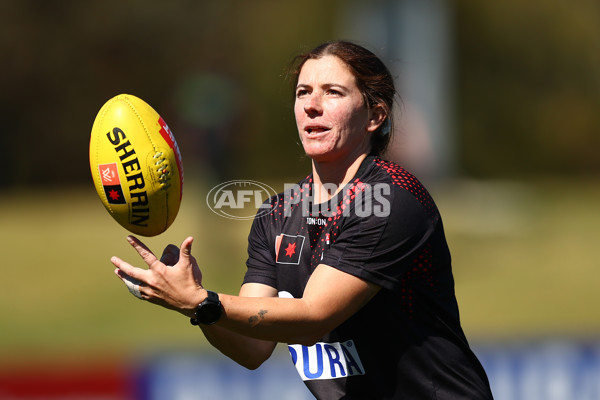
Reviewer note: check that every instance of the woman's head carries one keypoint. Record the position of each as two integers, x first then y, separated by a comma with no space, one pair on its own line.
372,78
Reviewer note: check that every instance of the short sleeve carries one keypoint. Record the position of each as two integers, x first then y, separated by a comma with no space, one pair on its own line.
380,249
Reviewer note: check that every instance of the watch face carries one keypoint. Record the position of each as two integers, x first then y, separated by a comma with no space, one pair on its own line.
209,313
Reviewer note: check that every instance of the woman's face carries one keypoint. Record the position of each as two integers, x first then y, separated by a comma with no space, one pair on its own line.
332,118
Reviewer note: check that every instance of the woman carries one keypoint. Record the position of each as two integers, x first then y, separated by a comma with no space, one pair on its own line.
350,268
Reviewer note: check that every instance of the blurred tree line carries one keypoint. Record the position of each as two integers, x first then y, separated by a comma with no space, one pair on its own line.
528,87
527,80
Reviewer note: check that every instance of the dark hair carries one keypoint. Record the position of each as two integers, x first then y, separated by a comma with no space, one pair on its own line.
373,79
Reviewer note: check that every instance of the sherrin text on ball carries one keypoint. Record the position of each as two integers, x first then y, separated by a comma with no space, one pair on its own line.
136,165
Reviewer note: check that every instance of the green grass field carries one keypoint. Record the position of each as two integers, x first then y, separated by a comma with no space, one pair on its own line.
524,254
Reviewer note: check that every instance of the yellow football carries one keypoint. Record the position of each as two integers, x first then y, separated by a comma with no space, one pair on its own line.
136,165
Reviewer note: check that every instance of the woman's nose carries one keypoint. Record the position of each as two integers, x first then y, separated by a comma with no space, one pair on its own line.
313,105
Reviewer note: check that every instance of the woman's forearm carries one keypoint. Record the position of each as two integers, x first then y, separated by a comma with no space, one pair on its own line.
273,319
246,351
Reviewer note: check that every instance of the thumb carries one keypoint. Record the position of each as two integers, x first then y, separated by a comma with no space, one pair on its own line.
186,250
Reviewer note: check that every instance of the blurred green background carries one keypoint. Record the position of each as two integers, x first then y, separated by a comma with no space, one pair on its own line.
518,189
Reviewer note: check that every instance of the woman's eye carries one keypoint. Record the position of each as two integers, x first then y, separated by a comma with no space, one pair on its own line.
333,92
301,92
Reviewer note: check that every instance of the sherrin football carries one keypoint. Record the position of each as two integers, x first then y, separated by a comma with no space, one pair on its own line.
136,165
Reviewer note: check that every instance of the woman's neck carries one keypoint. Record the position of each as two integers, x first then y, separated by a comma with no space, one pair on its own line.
330,177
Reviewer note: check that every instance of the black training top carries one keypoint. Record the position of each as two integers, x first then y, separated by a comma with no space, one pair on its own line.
407,342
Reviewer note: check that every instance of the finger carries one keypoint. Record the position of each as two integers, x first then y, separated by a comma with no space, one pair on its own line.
132,284
144,252
125,268
186,250
170,255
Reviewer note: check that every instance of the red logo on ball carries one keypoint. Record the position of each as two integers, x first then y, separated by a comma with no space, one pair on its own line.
111,183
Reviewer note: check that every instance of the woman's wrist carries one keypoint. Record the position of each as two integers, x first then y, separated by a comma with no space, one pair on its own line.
199,296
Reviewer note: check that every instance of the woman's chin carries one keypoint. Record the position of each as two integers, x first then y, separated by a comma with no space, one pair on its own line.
319,154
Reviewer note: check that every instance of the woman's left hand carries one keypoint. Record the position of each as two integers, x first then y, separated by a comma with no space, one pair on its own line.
173,282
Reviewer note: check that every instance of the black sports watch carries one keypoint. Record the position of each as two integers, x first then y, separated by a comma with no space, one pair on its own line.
209,311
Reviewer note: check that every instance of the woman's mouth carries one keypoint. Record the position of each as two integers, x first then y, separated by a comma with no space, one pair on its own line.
315,129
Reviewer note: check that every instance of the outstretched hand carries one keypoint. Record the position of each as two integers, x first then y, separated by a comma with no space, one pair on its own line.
173,281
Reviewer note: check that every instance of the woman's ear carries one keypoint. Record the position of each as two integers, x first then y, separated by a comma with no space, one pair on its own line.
377,115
